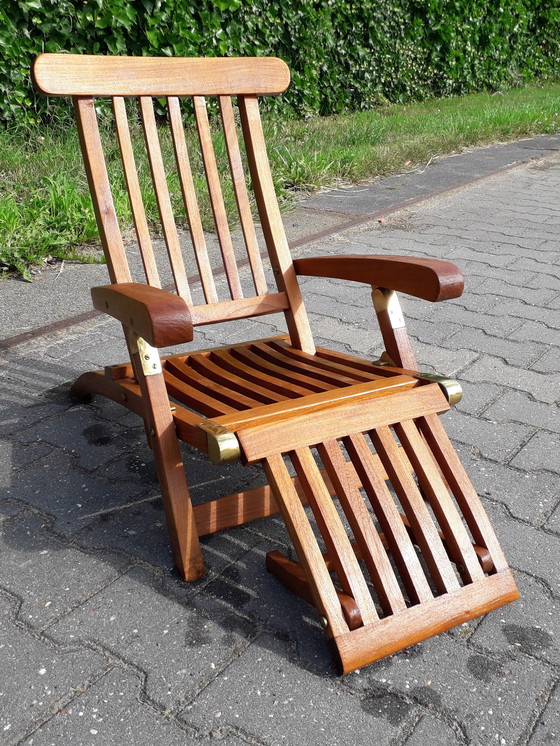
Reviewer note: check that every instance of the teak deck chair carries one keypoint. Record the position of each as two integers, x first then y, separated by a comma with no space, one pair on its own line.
394,546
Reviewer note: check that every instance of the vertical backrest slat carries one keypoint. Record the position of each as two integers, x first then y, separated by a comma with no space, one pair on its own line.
190,200
163,199
216,199
134,193
98,179
241,195
273,228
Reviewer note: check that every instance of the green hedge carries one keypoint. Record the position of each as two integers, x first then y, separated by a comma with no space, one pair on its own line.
343,54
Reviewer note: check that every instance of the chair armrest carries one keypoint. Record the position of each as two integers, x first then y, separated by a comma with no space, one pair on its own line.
161,318
430,279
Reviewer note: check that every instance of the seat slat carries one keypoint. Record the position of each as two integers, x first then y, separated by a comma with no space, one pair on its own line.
216,198
279,357
134,193
191,397
163,199
423,527
462,489
241,195
274,369
366,535
317,363
338,545
402,549
223,393
203,364
190,200
433,486
226,359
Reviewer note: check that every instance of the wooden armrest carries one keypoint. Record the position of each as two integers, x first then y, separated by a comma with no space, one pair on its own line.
161,318
430,279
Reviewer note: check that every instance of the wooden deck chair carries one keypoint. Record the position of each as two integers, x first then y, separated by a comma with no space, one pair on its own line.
392,541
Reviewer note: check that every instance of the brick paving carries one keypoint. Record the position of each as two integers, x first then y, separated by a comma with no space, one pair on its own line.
101,641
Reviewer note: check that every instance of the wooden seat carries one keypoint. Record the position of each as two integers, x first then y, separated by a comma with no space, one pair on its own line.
392,541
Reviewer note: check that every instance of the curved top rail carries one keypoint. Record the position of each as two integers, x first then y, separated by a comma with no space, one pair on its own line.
97,75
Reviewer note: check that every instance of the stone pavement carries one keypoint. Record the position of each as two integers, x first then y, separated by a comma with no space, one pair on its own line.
103,644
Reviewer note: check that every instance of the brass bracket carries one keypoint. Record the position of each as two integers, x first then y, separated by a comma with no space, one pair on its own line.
388,301
450,387
223,445
148,356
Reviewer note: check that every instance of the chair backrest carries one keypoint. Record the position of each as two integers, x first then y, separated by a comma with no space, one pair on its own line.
87,77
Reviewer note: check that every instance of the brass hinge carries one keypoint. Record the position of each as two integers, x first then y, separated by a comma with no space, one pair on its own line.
450,387
223,446
148,355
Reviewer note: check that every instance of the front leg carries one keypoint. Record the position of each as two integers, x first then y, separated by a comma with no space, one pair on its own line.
393,329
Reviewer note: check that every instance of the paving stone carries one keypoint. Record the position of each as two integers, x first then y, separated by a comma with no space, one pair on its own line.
37,678
433,730
543,387
50,578
530,496
549,362
553,523
111,712
541,452
178,649
512,352
435,359
498,441
484,695
547,729
266,694
535,331
78,432
54,486
518,407
531,550
477,396
529,626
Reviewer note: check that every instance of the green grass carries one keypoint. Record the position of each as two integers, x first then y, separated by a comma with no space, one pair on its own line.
45,210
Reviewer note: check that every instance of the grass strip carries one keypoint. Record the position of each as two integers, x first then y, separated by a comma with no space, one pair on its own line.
45,208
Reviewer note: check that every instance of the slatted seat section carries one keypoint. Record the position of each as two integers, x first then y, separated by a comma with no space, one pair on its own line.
392,541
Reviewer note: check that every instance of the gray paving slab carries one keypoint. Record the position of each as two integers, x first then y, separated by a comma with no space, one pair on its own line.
285,705
38,678
547,730
49,578
486,697
179,650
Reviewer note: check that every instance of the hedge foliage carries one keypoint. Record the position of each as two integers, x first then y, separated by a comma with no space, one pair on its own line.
343,54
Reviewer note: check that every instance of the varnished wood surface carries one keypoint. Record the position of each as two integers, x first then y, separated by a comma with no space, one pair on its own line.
161,318
430,279
95,75
360,647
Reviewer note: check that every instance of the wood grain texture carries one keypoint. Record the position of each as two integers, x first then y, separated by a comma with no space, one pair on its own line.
430,279
216,198
95,75
333,532
163,199
161,318
368,644
321,586
271,222
190,200
134,192
100,189
241,195
385,407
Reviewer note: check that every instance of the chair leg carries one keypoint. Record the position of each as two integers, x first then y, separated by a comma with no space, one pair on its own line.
179,515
